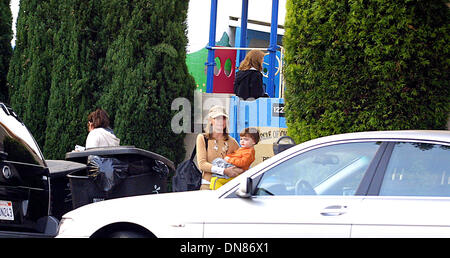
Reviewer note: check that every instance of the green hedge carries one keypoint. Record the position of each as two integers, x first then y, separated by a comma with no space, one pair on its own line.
355,65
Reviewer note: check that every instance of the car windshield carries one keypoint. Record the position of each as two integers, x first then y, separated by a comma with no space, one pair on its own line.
16,142
330,170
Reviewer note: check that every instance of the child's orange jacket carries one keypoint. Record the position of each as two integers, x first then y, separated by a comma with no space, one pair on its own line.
242,158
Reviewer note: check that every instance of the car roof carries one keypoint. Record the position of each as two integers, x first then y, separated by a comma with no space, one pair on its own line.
441,136
433,135
414,135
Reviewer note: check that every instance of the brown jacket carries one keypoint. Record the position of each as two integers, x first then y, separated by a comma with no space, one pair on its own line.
204,158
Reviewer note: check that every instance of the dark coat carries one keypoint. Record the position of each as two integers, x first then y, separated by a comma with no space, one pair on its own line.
249,84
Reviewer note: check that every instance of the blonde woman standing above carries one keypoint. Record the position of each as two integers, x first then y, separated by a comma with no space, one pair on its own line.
219,143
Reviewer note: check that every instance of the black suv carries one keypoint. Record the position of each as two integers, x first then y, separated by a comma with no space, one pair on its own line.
24,182
35,193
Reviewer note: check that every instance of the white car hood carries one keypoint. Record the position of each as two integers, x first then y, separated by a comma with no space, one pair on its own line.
145,202
156,212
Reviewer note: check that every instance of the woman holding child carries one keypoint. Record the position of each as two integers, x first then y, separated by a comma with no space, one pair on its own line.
219,145
222,159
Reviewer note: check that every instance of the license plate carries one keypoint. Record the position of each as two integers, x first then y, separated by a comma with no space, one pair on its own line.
6,210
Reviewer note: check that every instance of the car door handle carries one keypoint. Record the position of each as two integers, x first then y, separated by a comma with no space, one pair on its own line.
334,210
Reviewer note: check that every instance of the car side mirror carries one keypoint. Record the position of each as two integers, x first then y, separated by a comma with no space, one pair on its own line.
245,188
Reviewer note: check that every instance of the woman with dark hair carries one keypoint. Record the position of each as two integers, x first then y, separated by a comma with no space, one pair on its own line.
100,134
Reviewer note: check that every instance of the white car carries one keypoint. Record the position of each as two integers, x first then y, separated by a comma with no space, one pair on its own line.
369,184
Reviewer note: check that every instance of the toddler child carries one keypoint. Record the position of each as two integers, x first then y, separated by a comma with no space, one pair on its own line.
242,158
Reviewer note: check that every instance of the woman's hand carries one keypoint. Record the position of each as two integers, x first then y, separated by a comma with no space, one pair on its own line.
233,171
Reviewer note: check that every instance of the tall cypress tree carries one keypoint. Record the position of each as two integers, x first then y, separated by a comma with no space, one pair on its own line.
129,54
18,69
147,61
31,63
74,77
5,46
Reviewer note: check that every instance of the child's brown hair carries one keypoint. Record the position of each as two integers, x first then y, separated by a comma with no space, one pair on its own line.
251,132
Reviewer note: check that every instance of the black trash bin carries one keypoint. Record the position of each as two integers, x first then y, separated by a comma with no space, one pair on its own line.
61,195
115,172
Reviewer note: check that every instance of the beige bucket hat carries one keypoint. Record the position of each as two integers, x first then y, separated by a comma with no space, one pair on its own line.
217,111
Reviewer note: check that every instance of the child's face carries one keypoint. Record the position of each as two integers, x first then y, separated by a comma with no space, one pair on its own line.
247,142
